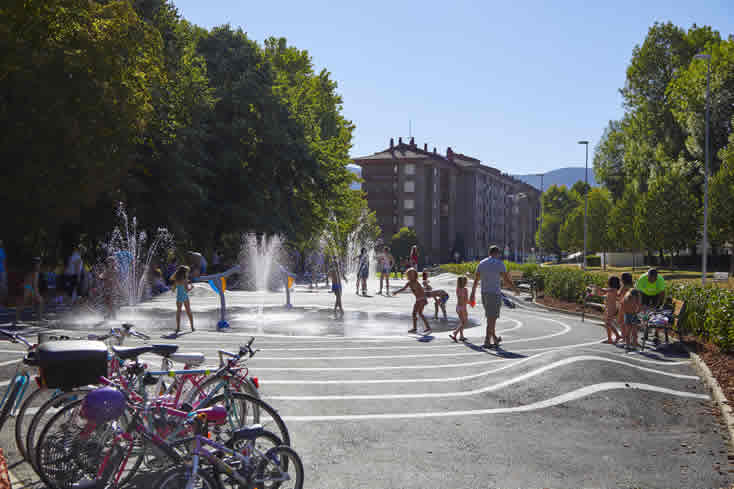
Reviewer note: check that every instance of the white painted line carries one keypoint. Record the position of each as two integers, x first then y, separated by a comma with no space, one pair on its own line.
482,390
554,401
13,351
10,362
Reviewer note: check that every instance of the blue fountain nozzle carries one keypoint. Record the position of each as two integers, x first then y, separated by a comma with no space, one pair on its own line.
222,324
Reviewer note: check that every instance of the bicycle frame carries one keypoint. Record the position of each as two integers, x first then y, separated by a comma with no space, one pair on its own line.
22,377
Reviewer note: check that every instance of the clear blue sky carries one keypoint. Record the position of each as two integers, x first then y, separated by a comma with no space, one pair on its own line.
515,84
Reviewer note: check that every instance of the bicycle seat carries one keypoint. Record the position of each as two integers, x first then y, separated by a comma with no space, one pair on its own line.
248,432
165,350
193,358
128,352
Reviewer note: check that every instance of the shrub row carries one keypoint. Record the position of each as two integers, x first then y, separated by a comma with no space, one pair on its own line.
564,283
709,313
471,266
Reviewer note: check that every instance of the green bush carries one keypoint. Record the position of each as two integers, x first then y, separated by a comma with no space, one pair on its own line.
593,261
709,313
568,284
471,266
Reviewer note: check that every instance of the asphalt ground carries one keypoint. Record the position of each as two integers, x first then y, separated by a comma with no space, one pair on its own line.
369,405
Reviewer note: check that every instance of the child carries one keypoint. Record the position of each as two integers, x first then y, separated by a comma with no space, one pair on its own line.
440,296
30,291
420,300
627,285
631,305
462,299
182,286
610,315
336,286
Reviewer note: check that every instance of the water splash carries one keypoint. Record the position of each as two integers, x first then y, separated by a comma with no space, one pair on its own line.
133,256
261,260
344,247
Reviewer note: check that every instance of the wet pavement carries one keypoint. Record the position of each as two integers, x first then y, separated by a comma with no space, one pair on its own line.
369,405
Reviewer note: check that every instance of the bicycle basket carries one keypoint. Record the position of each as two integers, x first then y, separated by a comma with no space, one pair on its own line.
103,404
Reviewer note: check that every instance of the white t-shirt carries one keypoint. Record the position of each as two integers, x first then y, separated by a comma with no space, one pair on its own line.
490,270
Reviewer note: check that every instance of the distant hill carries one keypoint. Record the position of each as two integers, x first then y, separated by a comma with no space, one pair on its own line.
561,176
357,170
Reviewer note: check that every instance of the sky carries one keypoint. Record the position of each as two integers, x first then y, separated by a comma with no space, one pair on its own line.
515,84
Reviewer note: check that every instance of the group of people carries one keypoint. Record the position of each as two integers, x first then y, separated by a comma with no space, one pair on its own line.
624,299
490,273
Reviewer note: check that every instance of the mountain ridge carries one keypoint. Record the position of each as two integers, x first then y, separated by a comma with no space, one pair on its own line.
561,176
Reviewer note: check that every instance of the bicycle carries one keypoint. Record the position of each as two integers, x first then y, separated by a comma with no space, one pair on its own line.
15,391
246,466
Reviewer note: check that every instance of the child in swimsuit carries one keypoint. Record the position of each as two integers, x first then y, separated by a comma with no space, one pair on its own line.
462,299
30,291
631,305
440,296
182,286
627,285
610,315
336,286
420,300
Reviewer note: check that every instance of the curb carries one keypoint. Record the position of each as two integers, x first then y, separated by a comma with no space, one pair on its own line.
716,393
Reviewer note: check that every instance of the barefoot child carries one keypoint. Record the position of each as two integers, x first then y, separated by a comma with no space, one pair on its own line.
182,286
462,299
610,314
631,305
420,300
336,286
440,296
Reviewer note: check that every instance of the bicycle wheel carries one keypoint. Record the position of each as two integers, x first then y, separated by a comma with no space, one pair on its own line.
260,445
43,415
71,450
280,467
178,478
27,410
195,394
14,391
245,410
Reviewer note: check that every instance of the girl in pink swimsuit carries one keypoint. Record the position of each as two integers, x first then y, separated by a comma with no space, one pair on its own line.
462,299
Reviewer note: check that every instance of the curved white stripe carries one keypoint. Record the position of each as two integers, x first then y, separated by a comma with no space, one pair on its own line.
629,356
554,401
490,388
11,362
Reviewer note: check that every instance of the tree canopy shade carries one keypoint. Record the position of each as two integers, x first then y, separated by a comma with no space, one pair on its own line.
402,242
571,235
205,132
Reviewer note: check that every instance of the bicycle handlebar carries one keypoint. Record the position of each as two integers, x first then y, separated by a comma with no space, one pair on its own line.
16,338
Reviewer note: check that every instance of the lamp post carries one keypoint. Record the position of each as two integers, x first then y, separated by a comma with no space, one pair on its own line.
704,258
586,195
540,230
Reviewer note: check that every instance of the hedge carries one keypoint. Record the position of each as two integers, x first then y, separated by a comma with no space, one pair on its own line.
471,266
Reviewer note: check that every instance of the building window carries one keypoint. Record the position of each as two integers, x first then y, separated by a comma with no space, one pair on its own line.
435,171
394,219
409,186
395,169
409,204
410,168
435,188
409,221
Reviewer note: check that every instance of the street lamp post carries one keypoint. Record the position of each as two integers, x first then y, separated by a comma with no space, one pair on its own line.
586,195
704,258
540,230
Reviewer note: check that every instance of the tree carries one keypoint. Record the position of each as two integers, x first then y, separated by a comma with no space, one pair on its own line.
571,235
722,206
557,202
547,235
668,216
77,87
402,242
609,159
621,232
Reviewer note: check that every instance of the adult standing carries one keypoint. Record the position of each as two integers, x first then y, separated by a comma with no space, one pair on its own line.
363,270
198,264
3,274
652,287
73,273
386,263
490,272
414,257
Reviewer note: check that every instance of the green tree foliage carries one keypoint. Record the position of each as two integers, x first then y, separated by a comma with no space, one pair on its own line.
669,214
557,202
402,242
722,190
571,235
609,159
621,231
77,81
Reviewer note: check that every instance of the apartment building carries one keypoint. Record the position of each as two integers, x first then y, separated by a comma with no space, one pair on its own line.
453,202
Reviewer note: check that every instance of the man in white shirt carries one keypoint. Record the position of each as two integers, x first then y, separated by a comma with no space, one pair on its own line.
490,272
